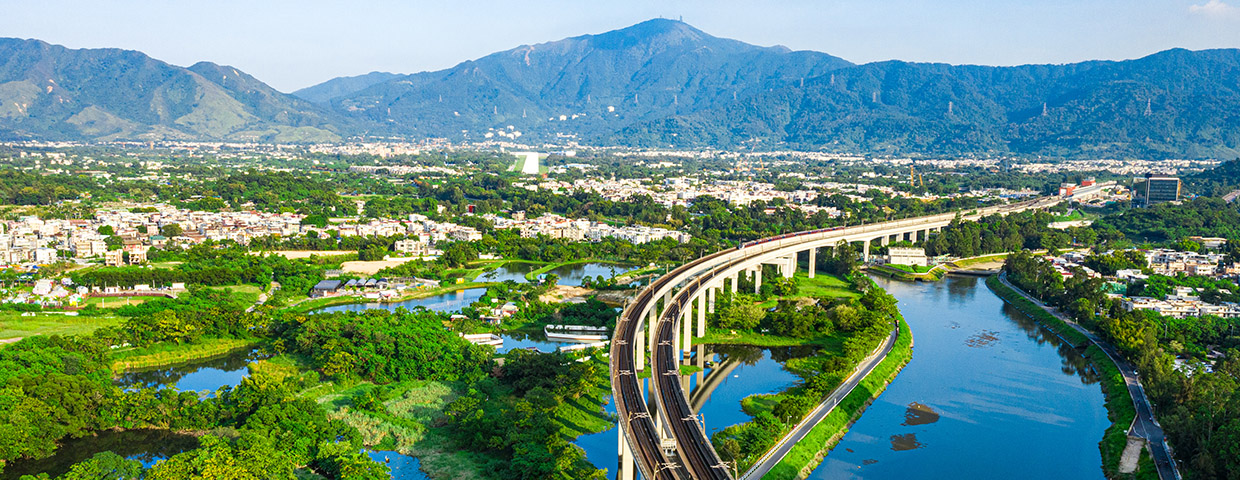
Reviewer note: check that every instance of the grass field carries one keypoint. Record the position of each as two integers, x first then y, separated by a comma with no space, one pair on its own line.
13,325
248,292
114,302
910,268
823,285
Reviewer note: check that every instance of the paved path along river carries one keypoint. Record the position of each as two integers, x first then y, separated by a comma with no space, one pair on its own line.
988,394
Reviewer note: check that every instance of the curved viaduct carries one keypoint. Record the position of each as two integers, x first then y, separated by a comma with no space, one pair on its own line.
663,437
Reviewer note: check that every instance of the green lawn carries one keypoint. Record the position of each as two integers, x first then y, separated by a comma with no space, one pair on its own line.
114,302
13,325
909,268
248,292
823,285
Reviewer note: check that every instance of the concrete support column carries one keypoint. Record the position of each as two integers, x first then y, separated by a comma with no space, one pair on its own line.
639,352
710,299
791,269
736,281
701,312
885,240
667,301
813,261
626,464
651,330
676,337
686,328
865,251
757,279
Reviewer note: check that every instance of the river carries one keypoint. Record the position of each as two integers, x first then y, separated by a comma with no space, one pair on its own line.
988,394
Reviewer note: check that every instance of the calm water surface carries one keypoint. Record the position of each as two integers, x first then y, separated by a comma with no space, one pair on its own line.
571,275
988,394
448,302
514,271
204,376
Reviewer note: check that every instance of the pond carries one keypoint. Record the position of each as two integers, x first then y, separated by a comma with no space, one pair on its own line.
738,371
203,376
988,394
146,446
448,302
571,275
514,271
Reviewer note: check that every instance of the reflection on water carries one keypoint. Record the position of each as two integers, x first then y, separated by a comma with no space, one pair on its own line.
601,448
988,394
514,271
907,441
448,302
205,376
146,446
736,372
918,414
571,275
537,341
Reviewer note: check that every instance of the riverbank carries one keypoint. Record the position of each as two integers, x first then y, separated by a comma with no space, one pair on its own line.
166,353
809,452
1061,329
1122,391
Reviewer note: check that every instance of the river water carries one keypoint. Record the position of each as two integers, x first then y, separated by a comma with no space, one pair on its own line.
988,394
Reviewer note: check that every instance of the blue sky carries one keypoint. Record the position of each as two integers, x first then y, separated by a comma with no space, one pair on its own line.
294,44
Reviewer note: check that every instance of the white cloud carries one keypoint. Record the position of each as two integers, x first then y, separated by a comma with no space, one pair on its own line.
1214,8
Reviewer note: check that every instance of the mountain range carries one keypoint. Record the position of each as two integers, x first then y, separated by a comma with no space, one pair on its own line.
660,83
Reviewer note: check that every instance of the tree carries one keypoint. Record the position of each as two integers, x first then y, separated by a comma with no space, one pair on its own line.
741,313
104,466
171,230
107,230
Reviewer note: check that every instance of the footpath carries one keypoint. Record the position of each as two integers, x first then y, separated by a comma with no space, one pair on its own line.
781,449
1145,425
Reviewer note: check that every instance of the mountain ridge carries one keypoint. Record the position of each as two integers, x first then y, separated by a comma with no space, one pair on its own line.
658,83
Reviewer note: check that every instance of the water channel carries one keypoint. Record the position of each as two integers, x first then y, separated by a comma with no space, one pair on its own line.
988,394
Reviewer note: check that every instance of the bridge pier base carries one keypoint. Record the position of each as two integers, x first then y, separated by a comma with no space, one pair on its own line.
627,464
757,279
865,251
813,261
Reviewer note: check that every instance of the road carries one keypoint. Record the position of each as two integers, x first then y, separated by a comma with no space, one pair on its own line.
1145,425
781,449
